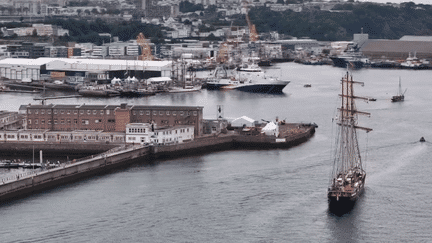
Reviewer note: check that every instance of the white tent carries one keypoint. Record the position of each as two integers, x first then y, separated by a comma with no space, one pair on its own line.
271,129
243,121
159,80
115,80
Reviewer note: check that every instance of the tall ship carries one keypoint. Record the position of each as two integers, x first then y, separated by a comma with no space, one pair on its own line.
348,175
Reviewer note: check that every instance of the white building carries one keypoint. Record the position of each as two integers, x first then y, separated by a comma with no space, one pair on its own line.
138,133
143,133
173,135
116,50
100,51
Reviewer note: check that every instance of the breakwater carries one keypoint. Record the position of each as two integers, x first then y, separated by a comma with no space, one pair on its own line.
120,156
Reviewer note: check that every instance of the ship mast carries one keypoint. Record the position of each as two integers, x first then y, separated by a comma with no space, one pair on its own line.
347,154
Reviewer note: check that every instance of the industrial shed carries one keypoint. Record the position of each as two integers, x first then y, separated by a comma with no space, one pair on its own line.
21,68
398,49
105,69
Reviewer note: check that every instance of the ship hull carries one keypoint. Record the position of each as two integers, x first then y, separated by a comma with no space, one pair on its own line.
132,93
342,62
341,202
214,86
263,88
340,206
98,93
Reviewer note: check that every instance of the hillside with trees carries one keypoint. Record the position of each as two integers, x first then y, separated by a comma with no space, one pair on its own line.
88,31
380,22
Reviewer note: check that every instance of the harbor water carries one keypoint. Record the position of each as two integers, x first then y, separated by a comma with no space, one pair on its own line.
253,195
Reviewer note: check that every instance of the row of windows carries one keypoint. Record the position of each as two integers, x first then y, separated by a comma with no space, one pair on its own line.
68,121
168,113
57,137
107,112
23,136
75,112
170,132
137,130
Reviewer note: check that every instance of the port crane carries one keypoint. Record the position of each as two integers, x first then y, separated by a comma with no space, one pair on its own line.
253,34
146,54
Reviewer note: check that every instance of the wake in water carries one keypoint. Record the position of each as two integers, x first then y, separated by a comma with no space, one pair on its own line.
399,156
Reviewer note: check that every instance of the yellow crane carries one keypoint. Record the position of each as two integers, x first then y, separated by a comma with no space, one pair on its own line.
146,54
253,34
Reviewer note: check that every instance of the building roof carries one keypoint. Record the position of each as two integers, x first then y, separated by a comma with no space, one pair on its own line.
24,62
416,38
397,46
76,64
94,107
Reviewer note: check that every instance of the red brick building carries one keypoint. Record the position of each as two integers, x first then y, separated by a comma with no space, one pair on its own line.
110,117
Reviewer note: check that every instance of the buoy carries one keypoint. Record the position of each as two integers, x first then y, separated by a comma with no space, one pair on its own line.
422,139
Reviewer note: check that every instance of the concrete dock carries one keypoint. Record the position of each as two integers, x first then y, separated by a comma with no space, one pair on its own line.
27,184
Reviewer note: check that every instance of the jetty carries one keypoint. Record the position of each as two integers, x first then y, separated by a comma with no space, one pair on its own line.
32,182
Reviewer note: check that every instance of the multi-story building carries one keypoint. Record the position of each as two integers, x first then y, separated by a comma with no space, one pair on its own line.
116,50
132,50
111,117
9,120
100,51
41,30
56,51
144,133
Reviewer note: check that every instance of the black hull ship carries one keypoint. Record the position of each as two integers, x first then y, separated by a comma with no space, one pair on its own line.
348,176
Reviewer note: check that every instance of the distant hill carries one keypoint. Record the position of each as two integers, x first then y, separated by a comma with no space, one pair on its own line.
380,22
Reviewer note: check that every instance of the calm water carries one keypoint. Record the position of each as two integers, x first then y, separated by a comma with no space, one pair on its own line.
254,196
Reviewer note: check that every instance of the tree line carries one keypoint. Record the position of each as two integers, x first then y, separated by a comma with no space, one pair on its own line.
380,22
88,31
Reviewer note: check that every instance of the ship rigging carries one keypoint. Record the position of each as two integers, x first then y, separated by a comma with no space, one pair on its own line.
348,175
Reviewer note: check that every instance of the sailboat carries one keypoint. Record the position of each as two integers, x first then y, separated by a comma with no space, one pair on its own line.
348,176
400,96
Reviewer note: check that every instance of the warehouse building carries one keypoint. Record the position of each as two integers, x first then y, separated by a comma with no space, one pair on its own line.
420,46
92,69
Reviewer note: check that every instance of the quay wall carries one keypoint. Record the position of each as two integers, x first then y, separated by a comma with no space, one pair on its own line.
69,172
198,145
120,156
70,149
271,142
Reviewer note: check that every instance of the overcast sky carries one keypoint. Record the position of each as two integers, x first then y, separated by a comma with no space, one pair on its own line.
400,1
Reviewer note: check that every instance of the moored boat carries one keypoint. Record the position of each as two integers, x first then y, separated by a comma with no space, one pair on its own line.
98,91
136,93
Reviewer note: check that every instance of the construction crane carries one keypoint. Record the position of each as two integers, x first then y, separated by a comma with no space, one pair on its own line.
253,34
146,54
